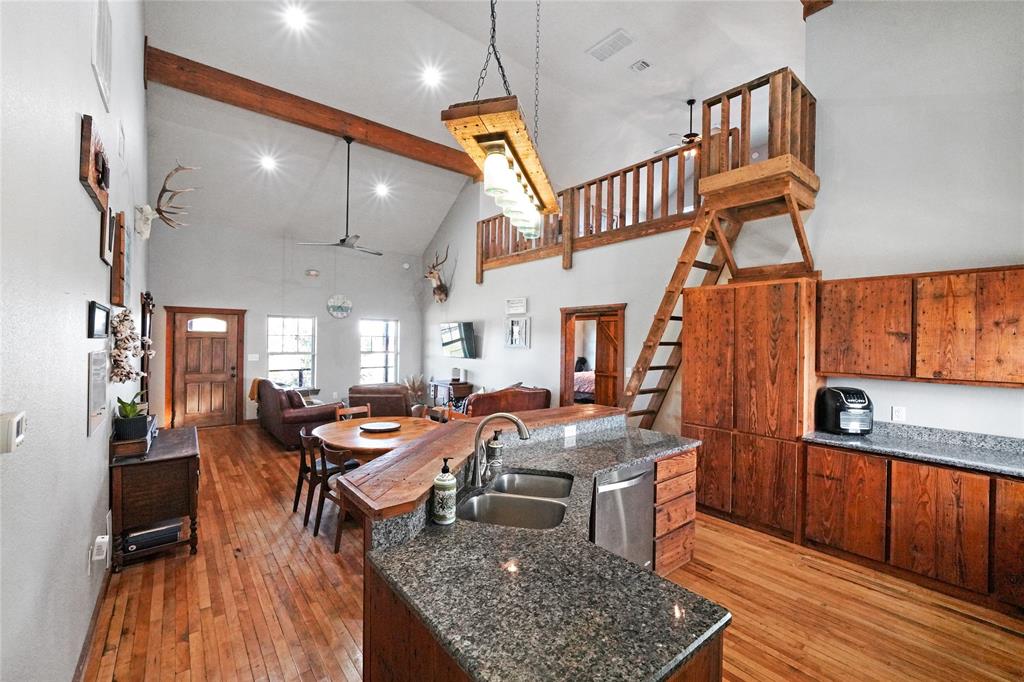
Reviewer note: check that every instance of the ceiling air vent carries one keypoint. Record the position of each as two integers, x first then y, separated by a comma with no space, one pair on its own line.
640,65
609,45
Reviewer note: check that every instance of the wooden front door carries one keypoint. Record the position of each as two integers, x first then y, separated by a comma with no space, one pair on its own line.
609,355
205,347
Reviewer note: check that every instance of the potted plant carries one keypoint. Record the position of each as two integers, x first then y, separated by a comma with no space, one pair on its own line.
131,422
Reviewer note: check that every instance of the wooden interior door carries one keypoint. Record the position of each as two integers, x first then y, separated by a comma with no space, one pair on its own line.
607,365
205,351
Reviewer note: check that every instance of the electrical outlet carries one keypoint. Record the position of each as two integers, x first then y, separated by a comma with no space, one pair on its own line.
570,436
899,414
253,357
100,548
334,396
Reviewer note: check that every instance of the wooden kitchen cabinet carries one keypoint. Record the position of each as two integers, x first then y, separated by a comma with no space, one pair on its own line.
846,501
970,326
865,325
707,376
714,466
940,524
1008,554
764,487
775,379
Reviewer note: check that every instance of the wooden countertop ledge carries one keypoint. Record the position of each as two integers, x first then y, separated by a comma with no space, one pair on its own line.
401,480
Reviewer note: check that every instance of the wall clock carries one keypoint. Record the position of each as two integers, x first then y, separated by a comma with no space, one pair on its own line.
339,306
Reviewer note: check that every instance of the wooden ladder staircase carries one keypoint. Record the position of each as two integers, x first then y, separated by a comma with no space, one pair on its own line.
707,228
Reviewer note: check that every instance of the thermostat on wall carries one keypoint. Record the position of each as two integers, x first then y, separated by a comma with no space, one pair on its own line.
12,430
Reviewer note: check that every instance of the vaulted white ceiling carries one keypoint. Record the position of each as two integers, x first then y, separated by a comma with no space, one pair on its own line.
366,58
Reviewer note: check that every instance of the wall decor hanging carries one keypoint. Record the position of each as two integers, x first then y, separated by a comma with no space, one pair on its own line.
166,209
515,306
99,320
436,276
127,345
93,167
146,331
117,266
144,220
517,332
102,50
97,390
338,306
108,232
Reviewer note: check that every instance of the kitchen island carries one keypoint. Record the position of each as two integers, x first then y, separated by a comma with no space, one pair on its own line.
481,601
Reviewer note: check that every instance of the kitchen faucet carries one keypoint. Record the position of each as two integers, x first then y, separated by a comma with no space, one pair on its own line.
480,449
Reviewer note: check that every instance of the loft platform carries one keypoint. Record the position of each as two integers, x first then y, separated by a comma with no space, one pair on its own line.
760,190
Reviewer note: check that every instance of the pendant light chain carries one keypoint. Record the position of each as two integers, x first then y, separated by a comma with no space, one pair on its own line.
536,82
492,49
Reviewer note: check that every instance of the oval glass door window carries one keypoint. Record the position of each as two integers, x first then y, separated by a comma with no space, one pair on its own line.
206,324
339,306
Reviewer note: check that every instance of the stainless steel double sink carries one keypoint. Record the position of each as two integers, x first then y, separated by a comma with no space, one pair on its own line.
519,500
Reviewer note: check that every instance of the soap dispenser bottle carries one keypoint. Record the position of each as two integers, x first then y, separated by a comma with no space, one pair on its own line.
444,496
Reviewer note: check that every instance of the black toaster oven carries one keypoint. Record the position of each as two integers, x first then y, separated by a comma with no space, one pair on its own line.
844,410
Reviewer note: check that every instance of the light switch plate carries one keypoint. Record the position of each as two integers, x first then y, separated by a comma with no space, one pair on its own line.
899,414
253,357
570,431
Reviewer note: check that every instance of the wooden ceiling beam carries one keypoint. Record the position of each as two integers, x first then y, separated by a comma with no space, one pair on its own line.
187,75
814,6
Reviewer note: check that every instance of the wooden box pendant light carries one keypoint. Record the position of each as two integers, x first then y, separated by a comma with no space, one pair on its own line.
494,134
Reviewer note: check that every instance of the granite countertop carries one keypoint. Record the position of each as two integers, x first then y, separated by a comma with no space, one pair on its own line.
979,452
569,609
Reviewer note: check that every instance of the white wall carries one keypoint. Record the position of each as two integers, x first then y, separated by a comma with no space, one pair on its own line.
920,151
54,487
222,267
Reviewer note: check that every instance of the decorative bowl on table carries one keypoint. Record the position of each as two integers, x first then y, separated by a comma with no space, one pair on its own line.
380,427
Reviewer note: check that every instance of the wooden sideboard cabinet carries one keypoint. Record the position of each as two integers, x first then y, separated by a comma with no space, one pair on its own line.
161,486
443,391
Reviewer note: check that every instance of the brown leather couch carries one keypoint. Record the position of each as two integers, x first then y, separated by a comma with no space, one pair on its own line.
385,400
512,399
283,413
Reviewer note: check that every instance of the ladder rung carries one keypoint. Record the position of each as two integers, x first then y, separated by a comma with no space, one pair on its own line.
704,265
655,368
670,343
639,413
649,391
676,318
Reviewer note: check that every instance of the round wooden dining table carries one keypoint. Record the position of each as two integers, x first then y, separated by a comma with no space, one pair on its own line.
347,435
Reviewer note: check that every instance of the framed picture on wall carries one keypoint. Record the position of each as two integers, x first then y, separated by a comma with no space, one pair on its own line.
517,332
515,306
108,230
97,390
99,320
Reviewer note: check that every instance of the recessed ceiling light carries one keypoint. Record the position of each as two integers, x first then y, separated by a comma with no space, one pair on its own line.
295,17
268,162
381,189
431,76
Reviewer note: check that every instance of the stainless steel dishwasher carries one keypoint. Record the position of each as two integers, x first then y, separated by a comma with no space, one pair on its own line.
622,513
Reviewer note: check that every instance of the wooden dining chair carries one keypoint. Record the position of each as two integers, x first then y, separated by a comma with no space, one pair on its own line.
330,457
311,471
351,412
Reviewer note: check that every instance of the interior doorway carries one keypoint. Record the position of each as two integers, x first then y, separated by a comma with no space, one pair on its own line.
203,382
593,354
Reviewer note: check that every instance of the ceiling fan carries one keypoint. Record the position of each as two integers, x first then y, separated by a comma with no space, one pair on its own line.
348,241
684,139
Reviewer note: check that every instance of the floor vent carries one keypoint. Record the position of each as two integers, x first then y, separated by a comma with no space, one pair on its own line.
609,45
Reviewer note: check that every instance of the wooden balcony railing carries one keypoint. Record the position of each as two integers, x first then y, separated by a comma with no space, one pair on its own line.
656,195
790,118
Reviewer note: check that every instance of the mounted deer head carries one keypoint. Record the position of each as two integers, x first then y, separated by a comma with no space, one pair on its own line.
165,208
435,275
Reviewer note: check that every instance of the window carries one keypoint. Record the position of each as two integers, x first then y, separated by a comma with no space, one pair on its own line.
378,351
291,350
206,324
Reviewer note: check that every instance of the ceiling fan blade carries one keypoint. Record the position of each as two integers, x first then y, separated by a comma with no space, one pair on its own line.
351,240
666,149
370,251
317,244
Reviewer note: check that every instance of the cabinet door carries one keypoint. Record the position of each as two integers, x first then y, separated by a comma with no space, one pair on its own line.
707,369
764,481
1009,542
940,524
1000,326
864,327
768,392
714,467
846,501
945,326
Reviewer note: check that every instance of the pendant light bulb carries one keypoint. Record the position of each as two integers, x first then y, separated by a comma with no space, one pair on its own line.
497,174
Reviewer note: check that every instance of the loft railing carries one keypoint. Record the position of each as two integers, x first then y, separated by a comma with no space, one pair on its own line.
656,195
790,117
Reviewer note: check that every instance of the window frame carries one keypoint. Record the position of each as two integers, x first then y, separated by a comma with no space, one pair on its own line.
312,352
396,352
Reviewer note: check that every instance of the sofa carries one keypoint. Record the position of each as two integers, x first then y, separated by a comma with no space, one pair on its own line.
512,399
283,413
386,400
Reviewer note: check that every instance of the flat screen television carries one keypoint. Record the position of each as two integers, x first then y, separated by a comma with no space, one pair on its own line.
457,340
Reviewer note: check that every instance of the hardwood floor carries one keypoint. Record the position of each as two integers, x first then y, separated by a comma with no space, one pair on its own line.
264,600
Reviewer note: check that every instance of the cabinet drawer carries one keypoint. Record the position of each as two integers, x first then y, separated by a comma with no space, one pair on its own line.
674,549
675,487
675,514
676,465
